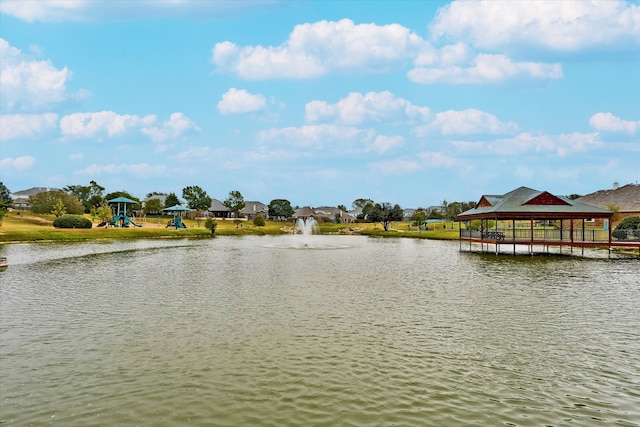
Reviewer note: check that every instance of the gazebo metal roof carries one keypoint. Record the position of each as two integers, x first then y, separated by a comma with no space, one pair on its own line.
527,203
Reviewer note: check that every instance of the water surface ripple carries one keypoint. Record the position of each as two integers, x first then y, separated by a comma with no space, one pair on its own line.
369,332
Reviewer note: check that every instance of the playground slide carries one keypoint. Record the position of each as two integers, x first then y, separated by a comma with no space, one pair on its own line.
134,224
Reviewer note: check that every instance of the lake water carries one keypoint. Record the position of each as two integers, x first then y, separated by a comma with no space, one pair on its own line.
352,331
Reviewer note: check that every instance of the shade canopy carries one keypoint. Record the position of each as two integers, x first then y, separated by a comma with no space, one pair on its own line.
122,200
177,208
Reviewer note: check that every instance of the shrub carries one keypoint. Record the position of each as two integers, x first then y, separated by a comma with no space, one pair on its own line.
619,234
629,223
71,221
211,224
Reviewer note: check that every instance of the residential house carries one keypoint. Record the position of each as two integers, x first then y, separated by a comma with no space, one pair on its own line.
21,198
218,209
253,209
626,198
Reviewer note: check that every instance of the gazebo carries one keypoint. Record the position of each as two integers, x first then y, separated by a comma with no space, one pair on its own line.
531,218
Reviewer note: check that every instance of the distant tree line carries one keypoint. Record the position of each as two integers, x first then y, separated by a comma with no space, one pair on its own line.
90,199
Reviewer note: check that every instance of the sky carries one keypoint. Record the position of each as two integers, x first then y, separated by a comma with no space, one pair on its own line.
321,102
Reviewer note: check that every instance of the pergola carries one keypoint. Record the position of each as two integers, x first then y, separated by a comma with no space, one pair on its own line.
535,218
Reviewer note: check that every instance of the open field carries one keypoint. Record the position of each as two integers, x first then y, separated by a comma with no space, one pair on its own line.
27,227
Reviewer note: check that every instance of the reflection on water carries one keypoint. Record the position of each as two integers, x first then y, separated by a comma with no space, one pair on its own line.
238,331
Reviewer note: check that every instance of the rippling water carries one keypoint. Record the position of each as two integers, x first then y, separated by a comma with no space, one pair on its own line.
369,332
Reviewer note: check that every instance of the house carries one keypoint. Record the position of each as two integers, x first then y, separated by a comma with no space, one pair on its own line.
21,198
218,209
253,209
627,198
323,213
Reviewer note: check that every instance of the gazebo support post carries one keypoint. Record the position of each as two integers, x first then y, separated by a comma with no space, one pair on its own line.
531,236
513,235
571,230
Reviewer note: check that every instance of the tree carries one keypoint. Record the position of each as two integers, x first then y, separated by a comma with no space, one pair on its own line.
342,208
211,224
171,200
196,198
235,202
280,208
152,205
450,211
419,218
58,208
385,214
104,212
90,195
259,221
45,201
616,212
361,203
5,200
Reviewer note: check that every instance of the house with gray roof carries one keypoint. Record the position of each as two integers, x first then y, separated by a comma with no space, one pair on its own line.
625,198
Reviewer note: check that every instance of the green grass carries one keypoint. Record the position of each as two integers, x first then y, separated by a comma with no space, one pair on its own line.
27,227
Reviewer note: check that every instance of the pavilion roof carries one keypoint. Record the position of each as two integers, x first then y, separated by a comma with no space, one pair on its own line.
527,203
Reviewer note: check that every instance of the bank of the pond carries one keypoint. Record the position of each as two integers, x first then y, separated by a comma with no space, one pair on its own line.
25,227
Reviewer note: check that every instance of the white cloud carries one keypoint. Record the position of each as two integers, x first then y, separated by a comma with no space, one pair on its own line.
19,163
77,156
466,122
14,126
28,84
357,108
194,153
483,68
140,169
397,166
91,10
100,123
239,101
383,144
315,49
174,128
560,145
607,122
316,136
434,159
111,124
559,25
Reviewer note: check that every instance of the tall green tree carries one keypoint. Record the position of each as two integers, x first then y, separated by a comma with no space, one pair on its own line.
5,200
171,200
280,208
385,214
153,205
419,218
122,193
90,195
45,201
196,198
361,203
235,202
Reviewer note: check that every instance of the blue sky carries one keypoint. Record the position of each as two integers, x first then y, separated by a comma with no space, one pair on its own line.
321,102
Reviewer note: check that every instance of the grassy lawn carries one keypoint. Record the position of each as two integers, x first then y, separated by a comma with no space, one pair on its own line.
26,227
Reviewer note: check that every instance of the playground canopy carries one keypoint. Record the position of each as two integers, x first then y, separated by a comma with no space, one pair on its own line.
175,209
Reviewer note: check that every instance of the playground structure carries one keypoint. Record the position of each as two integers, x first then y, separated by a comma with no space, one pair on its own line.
177,211
119,209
